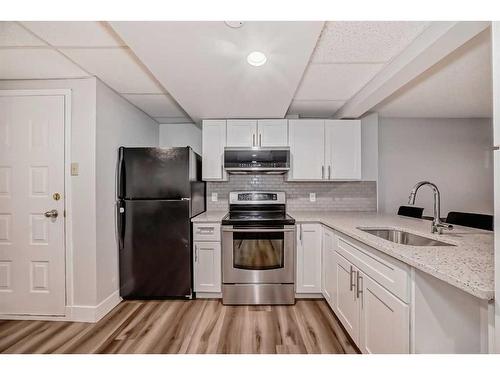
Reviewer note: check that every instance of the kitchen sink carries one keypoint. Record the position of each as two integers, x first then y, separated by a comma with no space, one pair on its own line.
404,238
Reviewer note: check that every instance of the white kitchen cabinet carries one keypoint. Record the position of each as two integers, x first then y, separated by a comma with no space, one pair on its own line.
242,133
307,149
325,150
343,149
213,143
346,303
327,265
272,133
384,320
308,258
207,267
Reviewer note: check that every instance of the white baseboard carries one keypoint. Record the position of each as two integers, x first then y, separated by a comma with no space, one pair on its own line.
88,314
93,314
208,295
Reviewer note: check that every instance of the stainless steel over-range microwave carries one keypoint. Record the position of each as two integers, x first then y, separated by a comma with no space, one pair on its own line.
264,160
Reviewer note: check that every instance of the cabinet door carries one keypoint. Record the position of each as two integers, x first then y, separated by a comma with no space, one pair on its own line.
207,267
385,321
242,133
272,133
213,143
345,301
343,149
307,149
309,258
327,264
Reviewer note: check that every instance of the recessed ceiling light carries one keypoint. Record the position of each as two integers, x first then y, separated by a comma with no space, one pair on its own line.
256,58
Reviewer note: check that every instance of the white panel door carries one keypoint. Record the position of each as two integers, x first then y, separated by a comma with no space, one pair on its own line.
309,259
307,149
385,320
343,149
213,143
273,133
207,267
327,264
345,301
242,133
32,256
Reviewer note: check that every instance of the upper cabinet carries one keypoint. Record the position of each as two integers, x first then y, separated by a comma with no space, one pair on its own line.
343,149
307,149
325,150
257,133
272,133
242,133
213,143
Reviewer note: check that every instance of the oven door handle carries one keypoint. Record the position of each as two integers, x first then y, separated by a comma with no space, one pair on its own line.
258,230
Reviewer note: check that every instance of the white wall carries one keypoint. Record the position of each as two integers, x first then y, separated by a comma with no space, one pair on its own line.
83,213
118,124
455,154
180,135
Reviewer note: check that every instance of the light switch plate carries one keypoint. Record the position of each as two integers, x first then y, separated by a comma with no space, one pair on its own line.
312,197
215,197
74,169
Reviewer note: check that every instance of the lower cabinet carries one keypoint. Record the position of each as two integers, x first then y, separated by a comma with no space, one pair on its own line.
308,276
384,320
376,320
207,267
327,264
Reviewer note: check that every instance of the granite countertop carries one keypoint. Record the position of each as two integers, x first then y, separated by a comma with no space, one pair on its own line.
209,217
468,265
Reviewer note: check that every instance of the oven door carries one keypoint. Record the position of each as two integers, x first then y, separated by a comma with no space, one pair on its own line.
258,255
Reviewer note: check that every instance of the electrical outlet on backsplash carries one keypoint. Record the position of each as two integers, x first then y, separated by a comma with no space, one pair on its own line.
330,196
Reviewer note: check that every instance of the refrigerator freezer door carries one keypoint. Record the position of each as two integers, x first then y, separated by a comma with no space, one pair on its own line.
155,260
153,173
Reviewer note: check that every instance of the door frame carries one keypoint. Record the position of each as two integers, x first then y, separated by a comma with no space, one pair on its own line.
68,212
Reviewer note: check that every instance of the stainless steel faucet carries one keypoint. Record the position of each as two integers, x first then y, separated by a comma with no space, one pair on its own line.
437,225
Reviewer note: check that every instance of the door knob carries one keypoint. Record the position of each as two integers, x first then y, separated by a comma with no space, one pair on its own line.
51,213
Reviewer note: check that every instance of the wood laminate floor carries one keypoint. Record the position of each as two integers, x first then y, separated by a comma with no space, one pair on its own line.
198,326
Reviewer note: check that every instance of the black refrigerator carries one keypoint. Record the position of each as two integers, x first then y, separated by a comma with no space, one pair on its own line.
159,191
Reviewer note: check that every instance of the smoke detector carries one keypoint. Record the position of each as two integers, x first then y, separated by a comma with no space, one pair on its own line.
234,24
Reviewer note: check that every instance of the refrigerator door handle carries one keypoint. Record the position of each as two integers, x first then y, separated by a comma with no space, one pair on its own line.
120,225
120,174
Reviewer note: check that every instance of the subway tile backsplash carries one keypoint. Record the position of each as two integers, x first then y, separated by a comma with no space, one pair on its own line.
330,196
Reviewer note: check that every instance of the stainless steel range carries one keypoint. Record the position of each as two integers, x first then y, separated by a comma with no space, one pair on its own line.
258,250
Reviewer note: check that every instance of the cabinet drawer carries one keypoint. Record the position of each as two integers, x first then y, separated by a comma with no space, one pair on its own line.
387,271
206,232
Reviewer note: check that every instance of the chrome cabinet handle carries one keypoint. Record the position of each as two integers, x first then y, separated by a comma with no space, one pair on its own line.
51,213
351,279
253,140
300,233
359,287
195,253
322,171
260,140
329,173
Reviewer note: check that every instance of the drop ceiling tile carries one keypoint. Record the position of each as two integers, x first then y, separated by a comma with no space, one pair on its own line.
360,41
204,64
156,105
75,33
315,108
19,63
117,67
14,35
173,120
335,81
459,86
